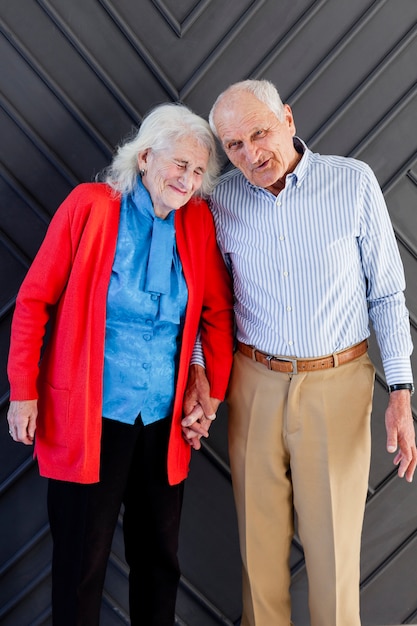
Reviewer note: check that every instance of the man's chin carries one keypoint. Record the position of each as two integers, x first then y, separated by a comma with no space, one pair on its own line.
263,180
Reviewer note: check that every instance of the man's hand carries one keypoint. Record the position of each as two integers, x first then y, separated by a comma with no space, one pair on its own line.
401,434
199,408
22,420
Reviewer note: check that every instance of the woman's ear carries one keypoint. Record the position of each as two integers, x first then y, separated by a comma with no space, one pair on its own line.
143,159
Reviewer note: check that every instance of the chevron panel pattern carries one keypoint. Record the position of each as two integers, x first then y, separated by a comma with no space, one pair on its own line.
76,77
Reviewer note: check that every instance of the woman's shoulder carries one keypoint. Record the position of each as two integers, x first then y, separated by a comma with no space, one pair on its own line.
195,221
90,198
89,203
196,207
93,191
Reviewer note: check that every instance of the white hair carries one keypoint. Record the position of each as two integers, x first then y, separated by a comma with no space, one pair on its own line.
264,90
160,128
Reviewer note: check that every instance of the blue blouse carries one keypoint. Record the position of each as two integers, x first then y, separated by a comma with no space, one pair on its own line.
146,304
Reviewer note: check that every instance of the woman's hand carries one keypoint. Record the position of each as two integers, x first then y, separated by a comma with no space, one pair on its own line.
22,416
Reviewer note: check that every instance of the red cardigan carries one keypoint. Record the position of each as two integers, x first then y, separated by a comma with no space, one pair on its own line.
67,285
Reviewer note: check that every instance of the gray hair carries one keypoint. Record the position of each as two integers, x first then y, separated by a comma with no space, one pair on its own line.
264,90
162,126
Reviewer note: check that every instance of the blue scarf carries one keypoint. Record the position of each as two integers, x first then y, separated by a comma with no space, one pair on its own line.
164,268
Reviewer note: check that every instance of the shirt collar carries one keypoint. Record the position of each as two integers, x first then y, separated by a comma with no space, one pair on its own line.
302,166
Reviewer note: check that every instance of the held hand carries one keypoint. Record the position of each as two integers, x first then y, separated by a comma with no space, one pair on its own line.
22,420
199,407
401,434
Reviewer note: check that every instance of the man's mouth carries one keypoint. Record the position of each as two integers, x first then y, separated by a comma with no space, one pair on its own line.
261,166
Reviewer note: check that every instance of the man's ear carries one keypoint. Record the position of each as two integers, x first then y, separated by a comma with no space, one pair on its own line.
289,118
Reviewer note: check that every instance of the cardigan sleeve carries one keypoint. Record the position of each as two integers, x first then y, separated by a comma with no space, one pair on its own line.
216,324
210,304
39,292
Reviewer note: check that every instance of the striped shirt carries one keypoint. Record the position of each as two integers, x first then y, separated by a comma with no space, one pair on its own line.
314,264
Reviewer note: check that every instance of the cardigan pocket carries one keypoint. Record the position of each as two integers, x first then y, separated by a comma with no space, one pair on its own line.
53,418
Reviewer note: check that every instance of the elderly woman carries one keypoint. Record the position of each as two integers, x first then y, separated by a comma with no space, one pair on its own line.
128,273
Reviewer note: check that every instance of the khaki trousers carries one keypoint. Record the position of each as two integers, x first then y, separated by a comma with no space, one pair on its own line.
300,442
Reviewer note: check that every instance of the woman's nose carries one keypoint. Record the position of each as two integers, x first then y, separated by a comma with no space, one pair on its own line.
185,179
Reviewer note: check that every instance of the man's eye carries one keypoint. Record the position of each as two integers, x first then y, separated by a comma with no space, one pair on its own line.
232,145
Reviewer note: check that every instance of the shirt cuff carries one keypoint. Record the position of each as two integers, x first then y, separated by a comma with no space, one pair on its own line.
398,370
197,357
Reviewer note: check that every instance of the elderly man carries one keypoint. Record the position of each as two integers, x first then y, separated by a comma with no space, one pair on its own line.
313,257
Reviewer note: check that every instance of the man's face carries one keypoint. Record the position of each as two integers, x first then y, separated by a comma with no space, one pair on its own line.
255,140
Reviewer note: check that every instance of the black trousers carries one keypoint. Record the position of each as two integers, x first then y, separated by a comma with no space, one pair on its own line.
83,518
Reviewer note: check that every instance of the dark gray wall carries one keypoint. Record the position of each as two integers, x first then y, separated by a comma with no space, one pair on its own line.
75,76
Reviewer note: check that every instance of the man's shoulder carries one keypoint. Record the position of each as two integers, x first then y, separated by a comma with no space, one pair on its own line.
230,177
229,182
339,162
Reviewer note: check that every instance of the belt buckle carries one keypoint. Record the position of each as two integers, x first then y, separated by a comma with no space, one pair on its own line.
270,358
293,362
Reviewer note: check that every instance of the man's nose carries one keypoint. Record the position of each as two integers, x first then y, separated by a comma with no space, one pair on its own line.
251,151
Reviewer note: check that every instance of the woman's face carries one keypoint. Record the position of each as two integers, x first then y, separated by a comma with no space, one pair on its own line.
172,176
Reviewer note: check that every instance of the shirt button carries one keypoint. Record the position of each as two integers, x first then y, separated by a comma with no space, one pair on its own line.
285,274
149,322
146,366
147,337
289,309
281,237
154,297
290,343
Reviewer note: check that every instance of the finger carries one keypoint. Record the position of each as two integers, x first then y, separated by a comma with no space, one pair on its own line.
31,430
406,466
207,407
192,438
196,443
392,442
214,402
198,429
23,438
402,468
22,432
192,417
410,471
397,458
189,403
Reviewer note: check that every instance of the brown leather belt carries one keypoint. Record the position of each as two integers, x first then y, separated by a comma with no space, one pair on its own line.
292,365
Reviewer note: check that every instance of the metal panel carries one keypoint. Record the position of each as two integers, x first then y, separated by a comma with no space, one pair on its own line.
76,76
